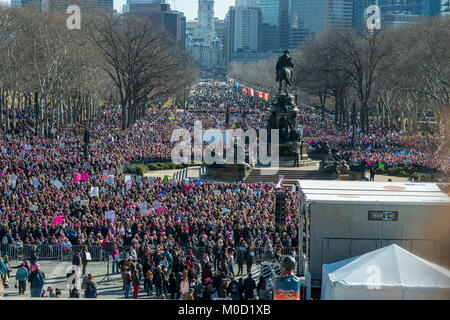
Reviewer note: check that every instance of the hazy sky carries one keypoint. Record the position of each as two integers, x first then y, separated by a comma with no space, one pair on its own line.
189,7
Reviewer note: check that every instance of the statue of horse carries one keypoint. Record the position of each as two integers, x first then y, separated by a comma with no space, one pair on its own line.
284,71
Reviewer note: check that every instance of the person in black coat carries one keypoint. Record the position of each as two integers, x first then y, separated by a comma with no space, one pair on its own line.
172,285
249,257
84,260
249,287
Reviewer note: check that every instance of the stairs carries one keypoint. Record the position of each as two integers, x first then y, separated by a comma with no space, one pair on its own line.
257,175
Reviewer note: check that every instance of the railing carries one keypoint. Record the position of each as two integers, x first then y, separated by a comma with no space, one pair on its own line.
60,252
57,252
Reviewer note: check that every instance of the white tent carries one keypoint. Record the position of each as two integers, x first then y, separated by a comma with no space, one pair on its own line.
389,273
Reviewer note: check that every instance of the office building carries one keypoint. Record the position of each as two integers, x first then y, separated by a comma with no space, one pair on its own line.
445,7
86,6
243,33
269,11
126,7
161,15
307,17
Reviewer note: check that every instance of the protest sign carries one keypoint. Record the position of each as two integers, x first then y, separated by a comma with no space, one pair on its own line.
57,183
110,180
110,215
94,192
57,220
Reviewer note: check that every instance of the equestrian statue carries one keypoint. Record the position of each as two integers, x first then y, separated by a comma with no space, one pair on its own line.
284,70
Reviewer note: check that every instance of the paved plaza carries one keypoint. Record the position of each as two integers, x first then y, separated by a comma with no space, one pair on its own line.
55,273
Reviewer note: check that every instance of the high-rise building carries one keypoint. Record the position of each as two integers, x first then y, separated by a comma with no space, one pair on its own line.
126,7
396,13
220,29
161,15
269,11
205,25
270,37
243,30
431,8
308,17
283,23
445,7
86,6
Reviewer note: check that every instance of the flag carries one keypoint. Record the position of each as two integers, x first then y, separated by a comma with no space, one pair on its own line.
75,177
280,182
260,94
251,92
84,176
166,178
381,166
266,97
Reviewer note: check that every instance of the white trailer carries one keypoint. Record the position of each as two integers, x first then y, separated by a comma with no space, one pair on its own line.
344,219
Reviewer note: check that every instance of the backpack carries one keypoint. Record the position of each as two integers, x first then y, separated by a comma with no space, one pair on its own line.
91,292
74,293
38,280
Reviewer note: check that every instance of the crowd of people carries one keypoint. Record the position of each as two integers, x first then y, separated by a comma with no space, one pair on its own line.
179,216
182,238
392,148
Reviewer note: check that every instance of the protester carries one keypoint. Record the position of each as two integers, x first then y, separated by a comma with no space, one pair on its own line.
21,277
89,286
84,258
136,284
37,281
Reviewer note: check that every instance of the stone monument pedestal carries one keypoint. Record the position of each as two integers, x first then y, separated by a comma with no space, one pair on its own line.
283,117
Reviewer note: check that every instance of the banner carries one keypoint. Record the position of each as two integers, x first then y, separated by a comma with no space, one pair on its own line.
75,177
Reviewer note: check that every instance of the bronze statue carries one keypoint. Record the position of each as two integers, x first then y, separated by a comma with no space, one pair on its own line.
284,70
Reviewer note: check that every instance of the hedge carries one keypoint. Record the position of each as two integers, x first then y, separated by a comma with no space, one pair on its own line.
141,169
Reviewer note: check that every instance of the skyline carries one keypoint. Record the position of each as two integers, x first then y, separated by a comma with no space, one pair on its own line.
188,7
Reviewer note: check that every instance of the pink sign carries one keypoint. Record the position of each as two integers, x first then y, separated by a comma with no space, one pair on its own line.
76,177
57,220
84,176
